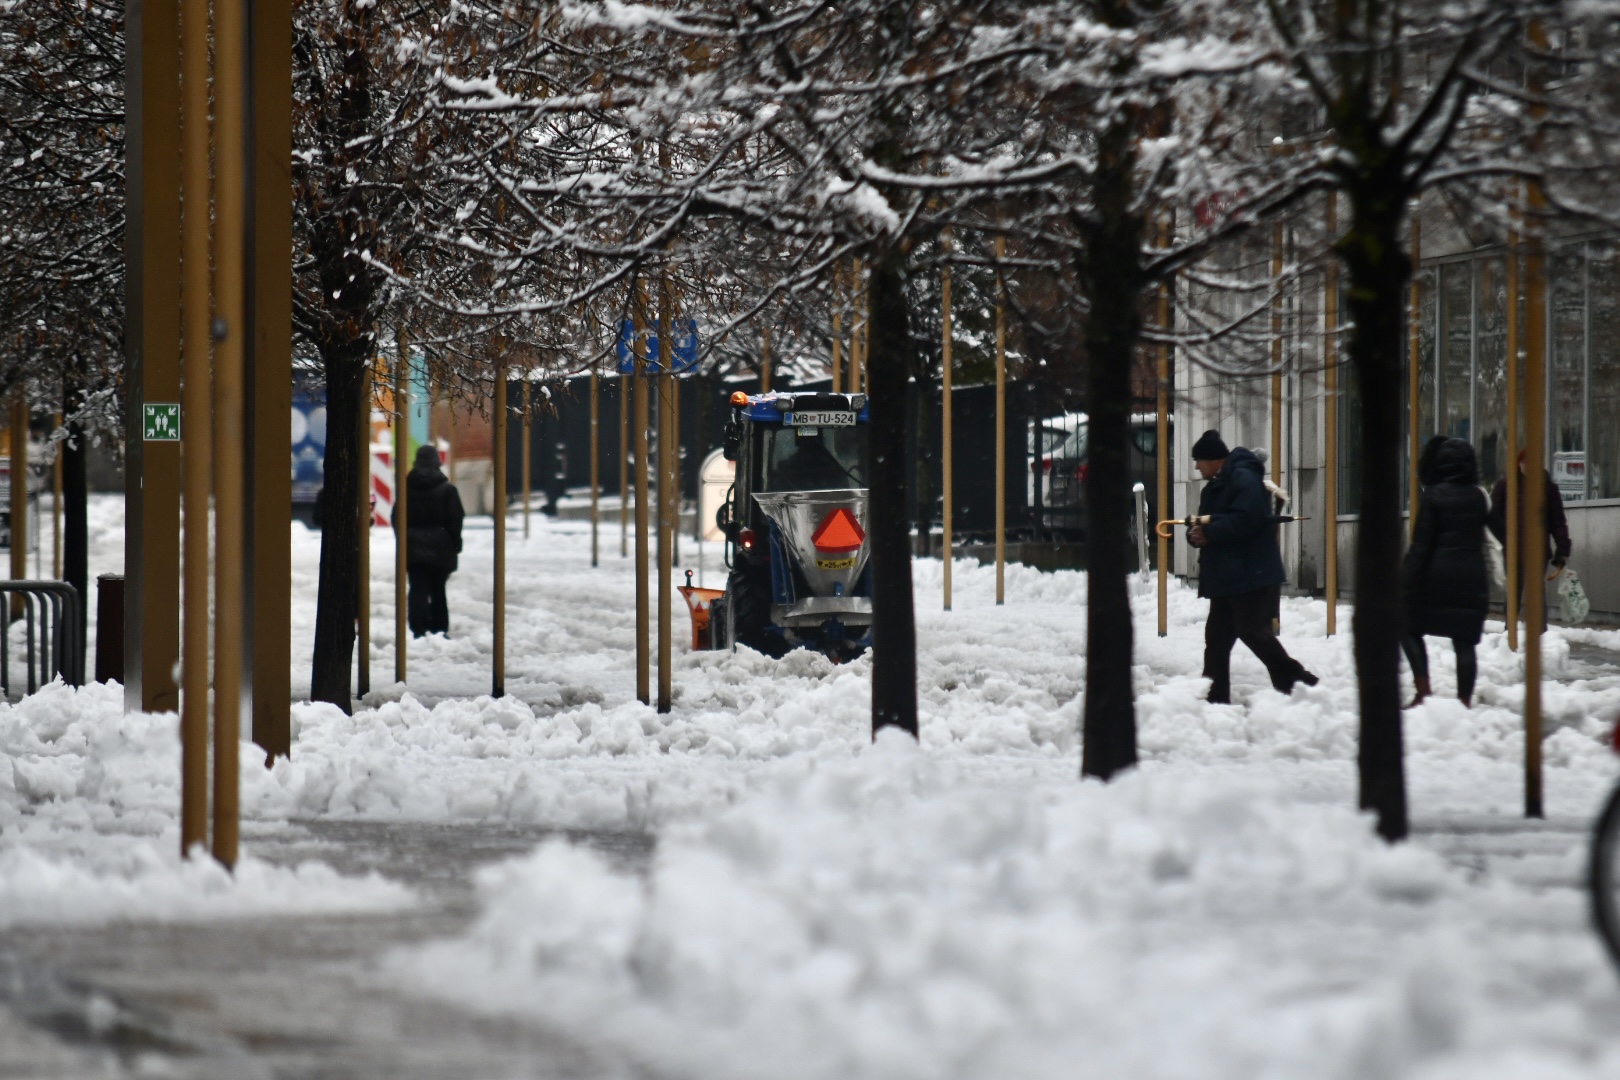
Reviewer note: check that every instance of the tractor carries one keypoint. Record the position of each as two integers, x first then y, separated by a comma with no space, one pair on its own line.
795,526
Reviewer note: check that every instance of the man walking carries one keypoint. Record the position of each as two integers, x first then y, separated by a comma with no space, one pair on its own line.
1552,537
432,542
1240,568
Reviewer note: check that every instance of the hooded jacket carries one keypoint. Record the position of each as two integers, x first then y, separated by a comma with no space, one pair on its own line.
433,516
1445,585
1240,553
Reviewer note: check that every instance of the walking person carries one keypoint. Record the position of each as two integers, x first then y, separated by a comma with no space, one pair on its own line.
1552,537
1240,568
1444,580
432,542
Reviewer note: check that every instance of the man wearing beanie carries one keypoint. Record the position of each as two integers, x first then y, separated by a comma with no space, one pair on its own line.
1240,569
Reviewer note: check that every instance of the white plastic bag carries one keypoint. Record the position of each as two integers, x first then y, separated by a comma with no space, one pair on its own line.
1573,606
1495,564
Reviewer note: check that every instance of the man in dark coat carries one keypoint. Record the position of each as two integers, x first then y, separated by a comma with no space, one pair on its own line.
432,541
1444,581
1554,533
1240,569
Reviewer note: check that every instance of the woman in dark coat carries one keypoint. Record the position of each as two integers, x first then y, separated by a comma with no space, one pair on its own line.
1445,583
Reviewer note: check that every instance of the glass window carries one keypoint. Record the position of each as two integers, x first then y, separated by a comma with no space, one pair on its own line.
1428,321
1490,366
794,460
1566,374
1604,294
1456,350
1349,441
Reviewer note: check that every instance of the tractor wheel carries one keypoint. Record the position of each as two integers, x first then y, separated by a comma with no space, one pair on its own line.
749,609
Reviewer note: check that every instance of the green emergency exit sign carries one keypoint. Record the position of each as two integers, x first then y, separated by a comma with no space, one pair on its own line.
160,421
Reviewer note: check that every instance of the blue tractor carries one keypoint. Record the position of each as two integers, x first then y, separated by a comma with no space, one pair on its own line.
795,526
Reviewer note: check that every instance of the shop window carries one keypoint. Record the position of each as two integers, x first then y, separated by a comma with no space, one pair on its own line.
1456,350
1490,366
1566,374
1604,380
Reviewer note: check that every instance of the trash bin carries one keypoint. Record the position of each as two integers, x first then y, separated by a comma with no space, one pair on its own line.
110,628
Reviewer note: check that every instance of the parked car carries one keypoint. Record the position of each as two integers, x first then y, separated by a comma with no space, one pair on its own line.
1063,470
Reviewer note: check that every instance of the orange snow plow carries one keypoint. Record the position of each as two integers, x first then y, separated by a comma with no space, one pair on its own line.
698,602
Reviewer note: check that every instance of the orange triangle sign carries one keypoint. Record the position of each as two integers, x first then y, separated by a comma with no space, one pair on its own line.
838,531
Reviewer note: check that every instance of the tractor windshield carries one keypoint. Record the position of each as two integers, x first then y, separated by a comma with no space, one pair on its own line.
794,460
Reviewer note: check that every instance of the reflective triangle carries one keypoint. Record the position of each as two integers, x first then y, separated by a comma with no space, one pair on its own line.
838,531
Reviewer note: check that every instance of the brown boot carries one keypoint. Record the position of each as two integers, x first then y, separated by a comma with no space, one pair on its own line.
1423,691
1467,700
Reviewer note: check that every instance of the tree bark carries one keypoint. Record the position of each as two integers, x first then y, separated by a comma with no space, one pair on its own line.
1112,278
335,606
1380,273
894,629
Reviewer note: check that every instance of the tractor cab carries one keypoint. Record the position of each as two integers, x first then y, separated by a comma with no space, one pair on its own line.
795,526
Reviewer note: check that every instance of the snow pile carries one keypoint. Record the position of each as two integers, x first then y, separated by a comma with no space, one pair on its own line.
89,799
65,879
898,915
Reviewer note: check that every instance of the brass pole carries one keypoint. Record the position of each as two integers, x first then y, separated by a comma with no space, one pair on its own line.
362,611
498,681
638,353
19,495
268,378
1414,363
229,192
152,473
1162,445
402,447
837,328
1001,426
56,506
1276,353
765,360
1533,541
526,476
626,388
675,466
596,463
946,423
195,421
1512,537
857,331
666,489
1330,416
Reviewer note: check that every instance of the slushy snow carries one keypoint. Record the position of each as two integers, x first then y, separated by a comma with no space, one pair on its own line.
820,905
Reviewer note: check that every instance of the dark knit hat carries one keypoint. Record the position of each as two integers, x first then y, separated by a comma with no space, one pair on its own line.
1209,447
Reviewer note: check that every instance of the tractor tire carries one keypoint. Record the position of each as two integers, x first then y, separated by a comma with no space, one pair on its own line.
748,602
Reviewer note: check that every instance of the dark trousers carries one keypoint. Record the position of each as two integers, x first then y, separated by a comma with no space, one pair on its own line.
427,611
1245,617
1467,663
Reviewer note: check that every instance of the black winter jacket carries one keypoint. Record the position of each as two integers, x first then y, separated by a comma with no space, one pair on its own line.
1444,580
1556,529
433,514
1240,552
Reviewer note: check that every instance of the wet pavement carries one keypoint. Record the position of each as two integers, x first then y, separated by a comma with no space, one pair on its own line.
295,997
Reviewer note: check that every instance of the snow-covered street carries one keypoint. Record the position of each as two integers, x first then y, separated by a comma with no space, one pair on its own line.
801,902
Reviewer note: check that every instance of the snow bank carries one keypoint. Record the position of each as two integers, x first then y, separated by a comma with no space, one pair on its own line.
896,916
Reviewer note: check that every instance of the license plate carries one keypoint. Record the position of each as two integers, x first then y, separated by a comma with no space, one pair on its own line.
820,418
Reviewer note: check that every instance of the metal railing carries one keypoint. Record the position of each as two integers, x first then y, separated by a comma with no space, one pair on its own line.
56,648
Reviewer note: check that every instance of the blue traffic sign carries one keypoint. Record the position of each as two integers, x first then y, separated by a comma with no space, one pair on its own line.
685,351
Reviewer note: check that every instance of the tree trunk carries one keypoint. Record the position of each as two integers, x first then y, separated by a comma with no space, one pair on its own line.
894,628
1380,272
335,606
1112,277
